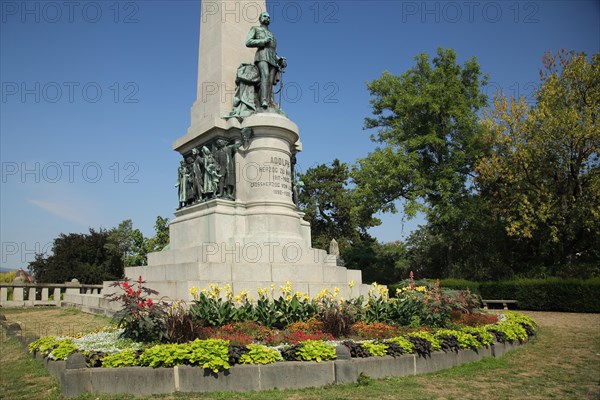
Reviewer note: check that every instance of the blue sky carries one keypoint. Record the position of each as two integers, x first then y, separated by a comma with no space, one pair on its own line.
94,93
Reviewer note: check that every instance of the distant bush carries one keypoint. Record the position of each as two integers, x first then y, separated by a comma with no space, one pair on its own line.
460,284
550,294
8,277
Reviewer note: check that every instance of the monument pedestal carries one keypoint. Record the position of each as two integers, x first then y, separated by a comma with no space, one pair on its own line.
255,241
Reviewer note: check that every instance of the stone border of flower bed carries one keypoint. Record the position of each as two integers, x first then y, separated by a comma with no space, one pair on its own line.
75,378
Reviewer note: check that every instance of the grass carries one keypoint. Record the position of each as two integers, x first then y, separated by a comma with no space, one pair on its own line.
562,362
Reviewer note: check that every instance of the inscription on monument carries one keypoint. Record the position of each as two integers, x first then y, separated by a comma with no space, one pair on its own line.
274,174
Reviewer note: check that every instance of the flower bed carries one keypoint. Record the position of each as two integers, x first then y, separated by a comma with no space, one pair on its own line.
212,335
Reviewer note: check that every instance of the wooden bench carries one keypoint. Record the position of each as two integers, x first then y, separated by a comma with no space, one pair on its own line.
504,303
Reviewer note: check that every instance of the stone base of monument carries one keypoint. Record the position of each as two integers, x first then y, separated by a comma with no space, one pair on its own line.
253,242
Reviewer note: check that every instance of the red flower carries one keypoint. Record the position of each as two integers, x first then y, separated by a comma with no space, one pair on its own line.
149,303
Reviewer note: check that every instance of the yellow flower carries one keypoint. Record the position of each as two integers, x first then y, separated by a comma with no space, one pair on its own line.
241,297
351,284
194,291
336,292
228,291
287,289
322,294
215,291
302,296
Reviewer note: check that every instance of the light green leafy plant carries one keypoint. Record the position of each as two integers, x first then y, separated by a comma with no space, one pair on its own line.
211,354
317,351
375,349
64,348
481,333
258,354
43,344
403,342
165,355
521,319
435,343
125,358
465,340
512,330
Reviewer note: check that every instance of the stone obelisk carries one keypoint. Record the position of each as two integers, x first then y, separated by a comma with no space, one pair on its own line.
237,222
223,29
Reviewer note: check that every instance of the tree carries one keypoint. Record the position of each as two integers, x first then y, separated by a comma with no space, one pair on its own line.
382,263
428,125
81,256
99,255
160,240
133,246
542,175
427,121
129,243
331,207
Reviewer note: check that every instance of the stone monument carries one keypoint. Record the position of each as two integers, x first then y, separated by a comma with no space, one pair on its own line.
236,221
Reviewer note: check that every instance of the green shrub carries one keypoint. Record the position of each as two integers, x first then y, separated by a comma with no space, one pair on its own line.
460,284
551,294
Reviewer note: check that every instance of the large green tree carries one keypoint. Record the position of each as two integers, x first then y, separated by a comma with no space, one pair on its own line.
427,122
430,136
542,175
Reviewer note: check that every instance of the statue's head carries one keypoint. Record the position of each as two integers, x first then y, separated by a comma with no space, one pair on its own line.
221,143
194,151
264,18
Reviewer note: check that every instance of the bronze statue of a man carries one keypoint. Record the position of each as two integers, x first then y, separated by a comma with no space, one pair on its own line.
225,160
266,59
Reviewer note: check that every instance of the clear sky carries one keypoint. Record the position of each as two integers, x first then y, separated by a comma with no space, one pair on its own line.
94,92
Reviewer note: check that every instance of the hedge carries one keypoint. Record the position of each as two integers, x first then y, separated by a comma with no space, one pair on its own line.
550,294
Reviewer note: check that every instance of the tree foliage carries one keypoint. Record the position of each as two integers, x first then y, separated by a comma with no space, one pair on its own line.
131,244
542,175
427,121
81,256
513,192
99,255
331,206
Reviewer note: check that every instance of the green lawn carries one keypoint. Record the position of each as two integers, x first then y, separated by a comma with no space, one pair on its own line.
562,362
